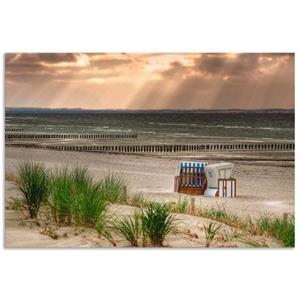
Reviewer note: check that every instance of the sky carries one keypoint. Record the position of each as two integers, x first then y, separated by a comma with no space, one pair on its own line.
150,80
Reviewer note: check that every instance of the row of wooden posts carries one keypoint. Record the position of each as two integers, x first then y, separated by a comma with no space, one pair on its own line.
12,129
161,148
43,136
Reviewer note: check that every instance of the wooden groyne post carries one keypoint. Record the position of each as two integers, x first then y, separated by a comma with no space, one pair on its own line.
192,206
64,136
155,149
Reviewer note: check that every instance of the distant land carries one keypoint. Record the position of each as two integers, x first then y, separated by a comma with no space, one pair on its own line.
80,110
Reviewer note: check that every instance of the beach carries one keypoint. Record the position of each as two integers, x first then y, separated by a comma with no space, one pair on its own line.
145,148
263,186
266,186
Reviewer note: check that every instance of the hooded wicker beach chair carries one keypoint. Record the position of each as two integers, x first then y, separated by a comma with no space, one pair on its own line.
190,178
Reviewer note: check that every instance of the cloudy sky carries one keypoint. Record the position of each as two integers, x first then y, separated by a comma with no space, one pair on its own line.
150,81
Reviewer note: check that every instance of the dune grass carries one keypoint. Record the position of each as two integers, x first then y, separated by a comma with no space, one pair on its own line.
157,222
73,196
76,199
220,214
129,228
282,228
33,182
210,232
181,207
136,200
113,189
60,199
151,225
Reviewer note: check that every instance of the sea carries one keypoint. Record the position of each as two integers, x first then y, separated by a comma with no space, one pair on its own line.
164,125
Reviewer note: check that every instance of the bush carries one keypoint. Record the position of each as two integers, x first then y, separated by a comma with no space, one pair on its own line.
157,221
33,182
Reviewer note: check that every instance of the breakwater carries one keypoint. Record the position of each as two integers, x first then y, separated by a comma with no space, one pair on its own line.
64,136
13,129
162,148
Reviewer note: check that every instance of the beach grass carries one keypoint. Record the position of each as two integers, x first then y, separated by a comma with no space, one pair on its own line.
72,195
181,207
76,199
137,200
129,228
282,228
114,189
89,205
157,222
151,224
33,182
220,214
210,232
60,200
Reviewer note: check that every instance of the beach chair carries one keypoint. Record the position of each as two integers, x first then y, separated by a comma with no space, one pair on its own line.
190,178
220,183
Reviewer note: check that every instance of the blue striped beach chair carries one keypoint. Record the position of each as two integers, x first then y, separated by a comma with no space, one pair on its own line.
190,178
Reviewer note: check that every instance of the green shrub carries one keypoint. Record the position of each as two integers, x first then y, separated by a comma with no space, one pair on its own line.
157,221
33,183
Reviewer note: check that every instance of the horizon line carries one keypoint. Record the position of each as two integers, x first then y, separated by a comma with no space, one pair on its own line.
146,109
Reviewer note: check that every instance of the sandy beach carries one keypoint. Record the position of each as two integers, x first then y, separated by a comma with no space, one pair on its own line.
262,187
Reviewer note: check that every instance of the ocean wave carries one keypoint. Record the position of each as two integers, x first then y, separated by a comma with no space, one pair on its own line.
175,124
152,132
219,126
245,127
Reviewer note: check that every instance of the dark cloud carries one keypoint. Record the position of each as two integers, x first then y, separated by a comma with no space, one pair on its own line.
212,80
28,60
57,57
222,64
225,82
33,58
176,69
110,63
239,64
